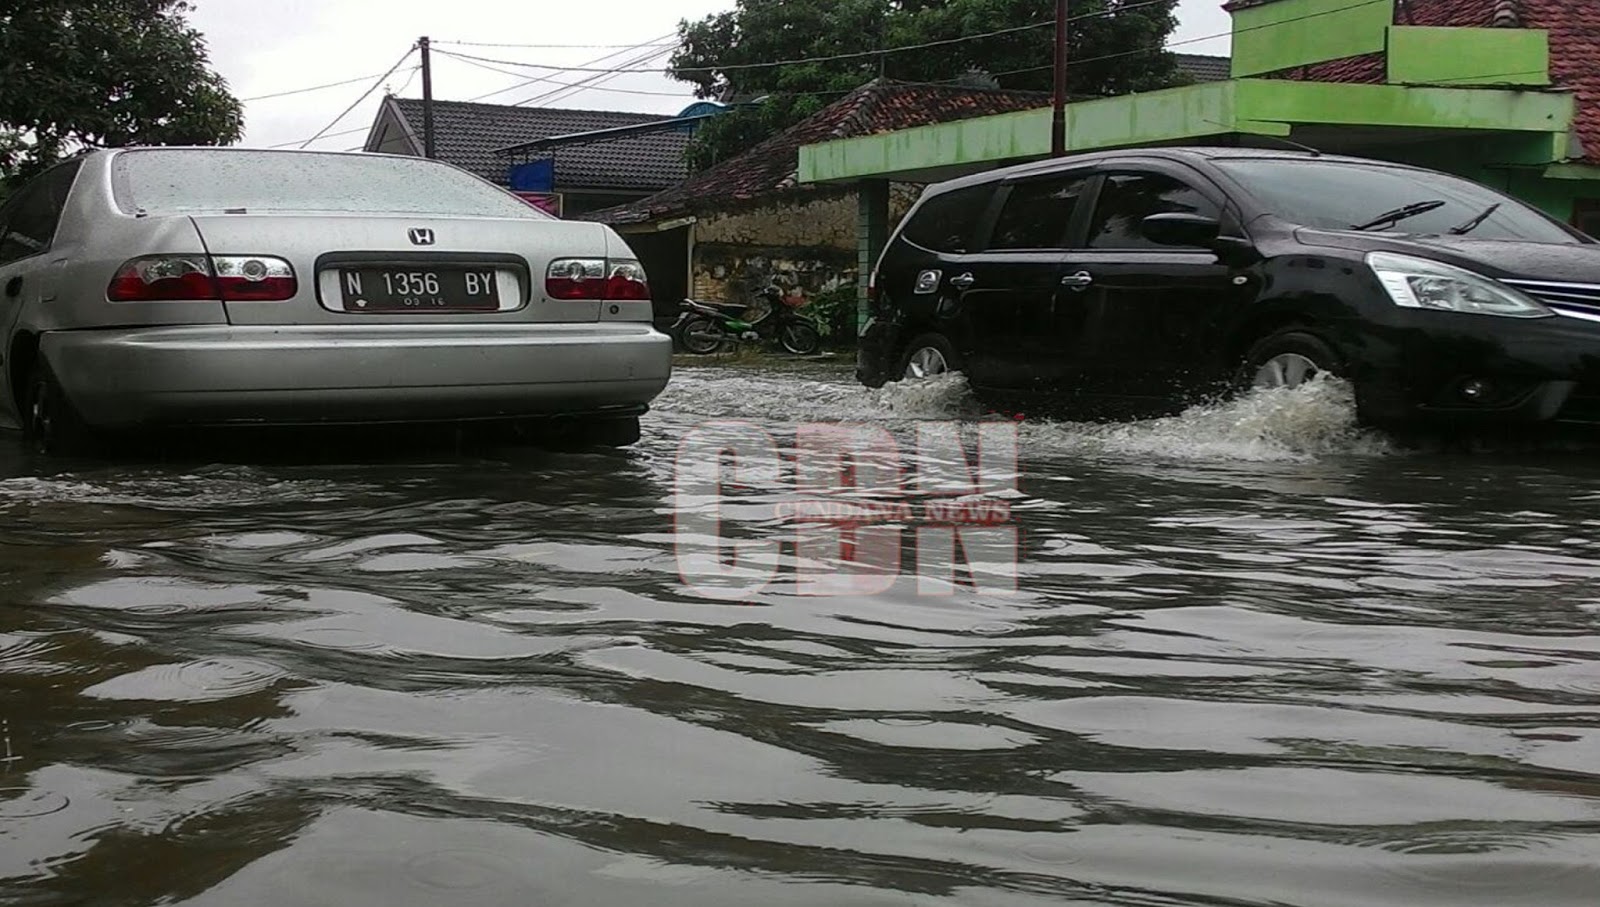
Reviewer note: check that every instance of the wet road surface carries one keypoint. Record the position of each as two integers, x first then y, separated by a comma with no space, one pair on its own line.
1253,657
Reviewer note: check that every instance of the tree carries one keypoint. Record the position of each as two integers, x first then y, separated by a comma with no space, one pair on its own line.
87,73
1115,48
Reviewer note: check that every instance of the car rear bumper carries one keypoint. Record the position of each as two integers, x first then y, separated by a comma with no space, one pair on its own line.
876,351
218,374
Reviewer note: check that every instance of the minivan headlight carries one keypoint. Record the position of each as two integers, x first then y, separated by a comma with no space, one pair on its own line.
1421,283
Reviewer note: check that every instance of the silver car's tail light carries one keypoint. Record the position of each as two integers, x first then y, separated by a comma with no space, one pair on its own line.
596,278
166,277
576,278
159,278
627,281
254,278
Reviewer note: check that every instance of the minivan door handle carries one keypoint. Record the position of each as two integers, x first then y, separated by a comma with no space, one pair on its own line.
14,287
1079,281
963,281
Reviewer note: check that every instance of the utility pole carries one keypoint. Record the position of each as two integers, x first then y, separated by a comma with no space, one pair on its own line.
1058,122
427,99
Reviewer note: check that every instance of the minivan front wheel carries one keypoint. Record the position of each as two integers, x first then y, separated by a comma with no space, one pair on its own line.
1287,359
928,356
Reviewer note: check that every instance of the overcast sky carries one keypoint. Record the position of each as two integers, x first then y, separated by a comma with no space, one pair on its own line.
267,48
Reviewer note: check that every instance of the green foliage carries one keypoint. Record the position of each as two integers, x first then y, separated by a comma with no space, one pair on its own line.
85,73
834,312
1115,53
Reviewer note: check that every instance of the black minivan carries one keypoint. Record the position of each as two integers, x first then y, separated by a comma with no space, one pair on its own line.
1138,282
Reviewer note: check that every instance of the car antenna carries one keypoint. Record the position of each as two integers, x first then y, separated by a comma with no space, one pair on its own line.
1275,138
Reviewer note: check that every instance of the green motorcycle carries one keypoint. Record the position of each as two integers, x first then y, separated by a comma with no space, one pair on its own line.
704,328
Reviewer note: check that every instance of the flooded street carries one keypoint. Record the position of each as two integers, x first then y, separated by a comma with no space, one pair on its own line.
1254,657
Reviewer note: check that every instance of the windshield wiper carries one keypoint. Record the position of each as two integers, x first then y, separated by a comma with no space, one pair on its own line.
1476,222
1400,214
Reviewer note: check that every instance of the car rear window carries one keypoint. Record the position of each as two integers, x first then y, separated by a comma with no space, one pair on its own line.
946,222
1339,195
190,180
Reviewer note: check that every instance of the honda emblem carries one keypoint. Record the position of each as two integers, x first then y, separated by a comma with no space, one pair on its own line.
421,236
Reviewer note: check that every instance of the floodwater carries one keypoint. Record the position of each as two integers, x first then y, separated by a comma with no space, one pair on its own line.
1252,656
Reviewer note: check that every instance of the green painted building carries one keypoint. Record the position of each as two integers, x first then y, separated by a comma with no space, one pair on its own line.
1506,92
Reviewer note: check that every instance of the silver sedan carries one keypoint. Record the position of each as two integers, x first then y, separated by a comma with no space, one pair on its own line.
212,286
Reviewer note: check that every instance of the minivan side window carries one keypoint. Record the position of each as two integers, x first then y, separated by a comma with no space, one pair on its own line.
31,222
946,222
1126,199
1037,213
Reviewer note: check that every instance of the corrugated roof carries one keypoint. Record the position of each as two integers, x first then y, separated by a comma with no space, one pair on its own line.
467,135
879,106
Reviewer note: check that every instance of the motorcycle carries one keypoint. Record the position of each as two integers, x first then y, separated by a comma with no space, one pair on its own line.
704,327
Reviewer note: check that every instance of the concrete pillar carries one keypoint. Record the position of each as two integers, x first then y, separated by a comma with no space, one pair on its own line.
872,231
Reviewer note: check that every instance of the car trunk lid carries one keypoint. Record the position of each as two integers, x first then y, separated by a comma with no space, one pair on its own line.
360,268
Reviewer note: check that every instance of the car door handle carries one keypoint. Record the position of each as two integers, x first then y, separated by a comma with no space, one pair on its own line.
1078,281
14,287
963,281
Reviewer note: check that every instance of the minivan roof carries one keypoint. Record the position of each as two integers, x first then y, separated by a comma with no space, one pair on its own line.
1168,152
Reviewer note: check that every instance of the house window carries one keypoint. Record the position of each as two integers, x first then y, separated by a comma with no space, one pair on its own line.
1586,216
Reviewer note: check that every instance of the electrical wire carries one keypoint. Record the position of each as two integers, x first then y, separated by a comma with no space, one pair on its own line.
328,136
357,102
310,88
536,79
1186,41
589,83
945,42
559,84
660,40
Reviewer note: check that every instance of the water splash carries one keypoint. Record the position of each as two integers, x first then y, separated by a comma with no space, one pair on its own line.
1315,420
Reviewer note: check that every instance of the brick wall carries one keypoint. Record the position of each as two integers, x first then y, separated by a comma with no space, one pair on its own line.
805,243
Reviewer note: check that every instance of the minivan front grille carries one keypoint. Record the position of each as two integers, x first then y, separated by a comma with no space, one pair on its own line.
1581,297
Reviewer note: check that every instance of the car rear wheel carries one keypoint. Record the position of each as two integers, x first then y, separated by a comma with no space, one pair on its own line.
928,356
1287,359
50,424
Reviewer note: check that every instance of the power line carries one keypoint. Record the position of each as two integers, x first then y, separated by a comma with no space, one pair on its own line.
945,42
330,135
309,88
374,87
588,82
560,85
556,46
567,90
537,79
1203,38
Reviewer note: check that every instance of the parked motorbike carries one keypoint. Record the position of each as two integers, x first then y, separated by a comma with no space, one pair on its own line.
704,327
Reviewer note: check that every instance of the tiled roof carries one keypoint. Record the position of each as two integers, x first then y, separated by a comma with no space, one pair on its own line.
1574,59
879,106
1574,29
1366,69
467,135
1205,68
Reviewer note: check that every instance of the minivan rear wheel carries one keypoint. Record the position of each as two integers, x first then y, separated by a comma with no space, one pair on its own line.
927,356
1287,359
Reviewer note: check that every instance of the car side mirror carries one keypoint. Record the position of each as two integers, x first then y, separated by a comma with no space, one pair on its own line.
1181,229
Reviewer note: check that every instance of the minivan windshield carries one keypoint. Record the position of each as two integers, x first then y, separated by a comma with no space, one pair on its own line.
1341,195
199,180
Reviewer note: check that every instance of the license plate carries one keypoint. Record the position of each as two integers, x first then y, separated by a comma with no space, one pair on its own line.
419,289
